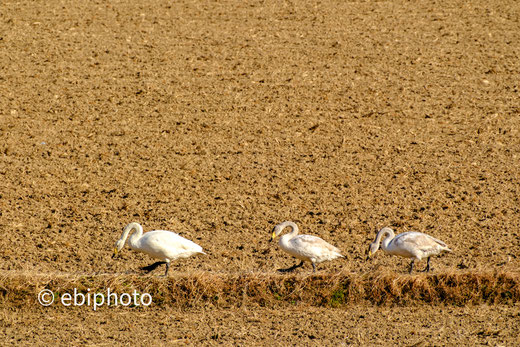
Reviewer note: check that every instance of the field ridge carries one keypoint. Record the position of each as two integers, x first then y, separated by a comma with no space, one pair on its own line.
188,290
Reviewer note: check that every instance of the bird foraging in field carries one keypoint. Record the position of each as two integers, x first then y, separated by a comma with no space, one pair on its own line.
410,244
160,244
304,247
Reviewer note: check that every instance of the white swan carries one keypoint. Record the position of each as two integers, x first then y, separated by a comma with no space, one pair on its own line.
160,244
304,247
410,244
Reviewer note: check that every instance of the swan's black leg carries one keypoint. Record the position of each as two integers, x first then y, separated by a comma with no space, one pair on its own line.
292,268
411,265
313,267
153,266
167,268
427,266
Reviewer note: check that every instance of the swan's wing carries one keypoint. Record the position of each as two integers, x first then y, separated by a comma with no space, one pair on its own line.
312,246
418,241
167,243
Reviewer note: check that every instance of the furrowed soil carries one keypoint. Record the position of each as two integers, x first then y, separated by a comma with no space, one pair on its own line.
220,119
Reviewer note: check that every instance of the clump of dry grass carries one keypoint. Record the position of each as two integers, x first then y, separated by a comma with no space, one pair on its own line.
449,288
235,290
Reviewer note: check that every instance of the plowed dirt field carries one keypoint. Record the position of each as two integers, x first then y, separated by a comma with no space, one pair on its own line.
220,119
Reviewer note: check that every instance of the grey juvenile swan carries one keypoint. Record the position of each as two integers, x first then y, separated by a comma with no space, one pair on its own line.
304,247
410,244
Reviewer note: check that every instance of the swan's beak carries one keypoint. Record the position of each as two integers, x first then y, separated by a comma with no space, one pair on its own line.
369,254
273,236
115,253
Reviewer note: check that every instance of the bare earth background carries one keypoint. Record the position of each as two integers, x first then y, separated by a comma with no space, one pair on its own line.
220,119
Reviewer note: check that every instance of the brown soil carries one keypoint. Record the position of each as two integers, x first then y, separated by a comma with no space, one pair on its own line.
218,120
359,325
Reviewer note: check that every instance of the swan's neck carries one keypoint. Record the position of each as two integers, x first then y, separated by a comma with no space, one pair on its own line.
284,239
387,235
132,242
294,229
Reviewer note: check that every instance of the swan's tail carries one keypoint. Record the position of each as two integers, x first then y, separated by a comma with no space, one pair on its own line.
444,247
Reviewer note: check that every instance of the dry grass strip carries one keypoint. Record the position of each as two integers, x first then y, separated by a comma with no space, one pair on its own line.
269,289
